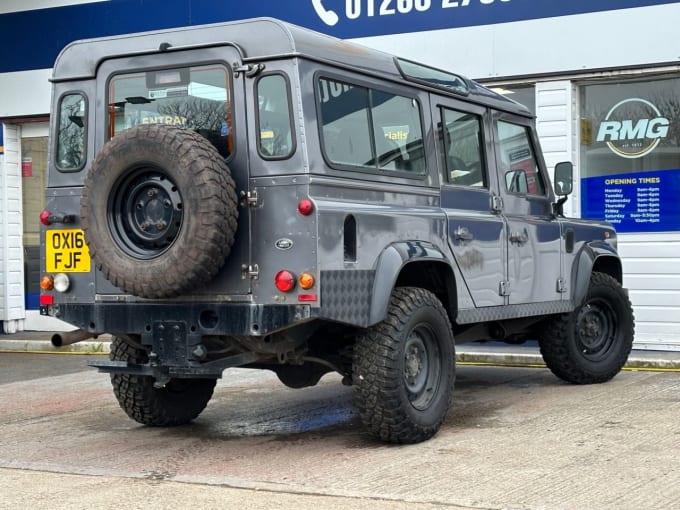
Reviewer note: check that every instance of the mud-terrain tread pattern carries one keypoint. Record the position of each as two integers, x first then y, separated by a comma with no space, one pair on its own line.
158,407
378,378
208,232
555,340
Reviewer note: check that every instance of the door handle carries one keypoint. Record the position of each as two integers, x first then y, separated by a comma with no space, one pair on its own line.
463,234
519,238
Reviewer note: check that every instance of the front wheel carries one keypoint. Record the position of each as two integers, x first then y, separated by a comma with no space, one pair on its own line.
592,343
404,369
176,403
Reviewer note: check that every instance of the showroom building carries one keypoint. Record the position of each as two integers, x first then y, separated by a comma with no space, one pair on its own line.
603,79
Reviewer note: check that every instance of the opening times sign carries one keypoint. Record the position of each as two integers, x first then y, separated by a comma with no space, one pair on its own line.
634,202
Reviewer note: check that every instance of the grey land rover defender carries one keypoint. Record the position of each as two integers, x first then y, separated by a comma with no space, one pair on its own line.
255,194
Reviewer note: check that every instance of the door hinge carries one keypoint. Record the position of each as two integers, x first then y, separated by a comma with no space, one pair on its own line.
561,286
250,272
249,70
248,198
496,203
504,288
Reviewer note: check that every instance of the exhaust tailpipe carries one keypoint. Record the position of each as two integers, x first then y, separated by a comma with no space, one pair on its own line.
71,337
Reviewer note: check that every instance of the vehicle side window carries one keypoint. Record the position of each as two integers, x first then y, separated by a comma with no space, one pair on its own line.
364,127
461,148
517,160
275,129
71,132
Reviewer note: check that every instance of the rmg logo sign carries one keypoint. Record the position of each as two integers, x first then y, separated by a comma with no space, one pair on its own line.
633,127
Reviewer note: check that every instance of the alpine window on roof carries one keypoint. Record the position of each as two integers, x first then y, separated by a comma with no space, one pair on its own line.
420,73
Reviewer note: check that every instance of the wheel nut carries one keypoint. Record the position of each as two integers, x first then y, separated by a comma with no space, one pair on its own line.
144,226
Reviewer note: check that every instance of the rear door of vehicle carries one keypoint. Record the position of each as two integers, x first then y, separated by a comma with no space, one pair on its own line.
469,192
196,89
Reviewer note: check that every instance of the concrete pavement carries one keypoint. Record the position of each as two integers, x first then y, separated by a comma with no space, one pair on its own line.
515,438
491,353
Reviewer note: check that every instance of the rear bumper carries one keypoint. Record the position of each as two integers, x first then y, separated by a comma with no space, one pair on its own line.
243,319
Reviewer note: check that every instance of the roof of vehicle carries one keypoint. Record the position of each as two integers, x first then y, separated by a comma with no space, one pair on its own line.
275,39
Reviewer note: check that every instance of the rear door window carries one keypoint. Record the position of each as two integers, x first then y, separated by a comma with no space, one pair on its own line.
197,98
462,148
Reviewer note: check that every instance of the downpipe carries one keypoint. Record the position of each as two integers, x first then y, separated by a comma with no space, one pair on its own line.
71,337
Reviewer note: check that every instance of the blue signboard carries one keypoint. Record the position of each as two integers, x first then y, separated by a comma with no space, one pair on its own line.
44,32
634,202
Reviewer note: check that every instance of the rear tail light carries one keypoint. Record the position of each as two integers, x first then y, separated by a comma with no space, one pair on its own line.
305,207
45,217
284,281
47,282
306,281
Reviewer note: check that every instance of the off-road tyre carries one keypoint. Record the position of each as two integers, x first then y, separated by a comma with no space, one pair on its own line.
177,403
159,210
404,369
592,343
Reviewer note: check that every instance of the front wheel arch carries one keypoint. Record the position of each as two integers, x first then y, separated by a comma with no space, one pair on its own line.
594,257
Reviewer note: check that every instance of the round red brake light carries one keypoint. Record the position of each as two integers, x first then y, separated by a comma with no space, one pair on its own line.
284,281
45,217
305,207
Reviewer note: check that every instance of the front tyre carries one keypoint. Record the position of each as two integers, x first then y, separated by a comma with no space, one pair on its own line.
592,343
177,403
404,369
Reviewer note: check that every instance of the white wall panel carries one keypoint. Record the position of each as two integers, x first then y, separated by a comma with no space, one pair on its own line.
11,255
555,114
651,272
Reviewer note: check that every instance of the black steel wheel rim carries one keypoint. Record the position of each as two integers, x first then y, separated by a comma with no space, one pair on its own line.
422,366
145,212
596,329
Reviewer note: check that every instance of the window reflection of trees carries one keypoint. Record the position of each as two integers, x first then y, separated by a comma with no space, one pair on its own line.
201,115
204,116
71,143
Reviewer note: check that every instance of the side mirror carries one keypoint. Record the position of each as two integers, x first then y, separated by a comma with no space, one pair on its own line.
564,178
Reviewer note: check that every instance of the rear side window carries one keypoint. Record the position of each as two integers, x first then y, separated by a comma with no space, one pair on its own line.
275,129
369,128
197,98
461,148
518,161
71,132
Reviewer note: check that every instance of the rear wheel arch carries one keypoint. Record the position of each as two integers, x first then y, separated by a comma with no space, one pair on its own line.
412,264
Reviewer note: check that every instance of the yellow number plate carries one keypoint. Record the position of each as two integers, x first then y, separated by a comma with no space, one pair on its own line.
66,252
